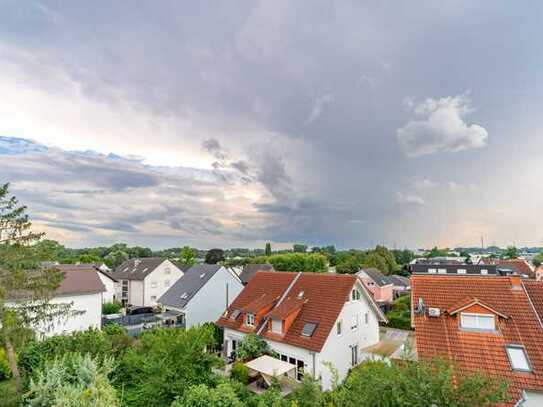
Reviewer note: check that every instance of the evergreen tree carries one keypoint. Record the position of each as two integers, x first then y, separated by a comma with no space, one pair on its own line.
268,250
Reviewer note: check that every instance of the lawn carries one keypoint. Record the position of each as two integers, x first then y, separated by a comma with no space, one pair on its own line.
8,397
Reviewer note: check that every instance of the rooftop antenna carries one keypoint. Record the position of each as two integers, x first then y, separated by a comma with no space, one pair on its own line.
482,242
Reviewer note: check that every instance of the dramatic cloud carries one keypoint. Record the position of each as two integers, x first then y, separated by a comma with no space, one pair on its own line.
442,129
219,124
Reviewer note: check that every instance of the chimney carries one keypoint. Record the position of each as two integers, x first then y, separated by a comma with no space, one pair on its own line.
515,282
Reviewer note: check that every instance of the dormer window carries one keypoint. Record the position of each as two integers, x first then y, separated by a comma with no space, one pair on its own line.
518,358
481,322
251,319
277,326
355,295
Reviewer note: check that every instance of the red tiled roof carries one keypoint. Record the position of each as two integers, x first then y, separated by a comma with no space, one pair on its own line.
265,300
478,351
520,265
468,302
535,291
324,296
287,307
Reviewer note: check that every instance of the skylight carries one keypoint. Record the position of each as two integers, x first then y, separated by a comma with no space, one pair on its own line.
202,275
309,329
518,358
301,294
184,296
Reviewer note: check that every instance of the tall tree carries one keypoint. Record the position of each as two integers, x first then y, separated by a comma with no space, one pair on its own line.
25,288
187,256
299,248
510,253
268,250
214,256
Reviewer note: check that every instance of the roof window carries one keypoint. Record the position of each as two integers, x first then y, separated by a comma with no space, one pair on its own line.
309,329
518,358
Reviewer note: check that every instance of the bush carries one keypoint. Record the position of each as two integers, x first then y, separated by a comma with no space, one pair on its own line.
240,372
5,371
316,263
111,308
400,315
251,347
73,380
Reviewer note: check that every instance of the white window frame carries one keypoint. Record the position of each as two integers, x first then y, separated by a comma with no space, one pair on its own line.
432,271
477,316
355,295
484,272
461,271
354,322
250,320
509,348
441,271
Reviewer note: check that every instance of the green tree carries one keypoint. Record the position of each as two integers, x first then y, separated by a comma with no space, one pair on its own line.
538,260
435,252
165,364
251,347
422,384
71,381
187,256
403,257
203,396
377,261
350,265
299,248
268,249
399,316
510,253
115,258
315,263
308,393
25,287
389,258
214,256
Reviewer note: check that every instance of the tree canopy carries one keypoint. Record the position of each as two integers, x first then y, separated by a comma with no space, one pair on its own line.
214,256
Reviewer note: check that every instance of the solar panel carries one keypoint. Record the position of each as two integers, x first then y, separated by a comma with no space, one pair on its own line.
309,329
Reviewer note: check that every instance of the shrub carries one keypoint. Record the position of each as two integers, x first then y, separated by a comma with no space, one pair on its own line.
252,346
109,308
240,372
5,371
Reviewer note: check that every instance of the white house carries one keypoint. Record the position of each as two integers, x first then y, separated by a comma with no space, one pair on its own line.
109,282
313,321
143,281
202,294
83,291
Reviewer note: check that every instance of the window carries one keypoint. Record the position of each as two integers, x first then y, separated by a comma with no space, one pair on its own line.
355,295
354,355
483,322
354,322
153,297
167,270
300,369
484,272
461,271
366,317
166,283
154,284
518,358
309,329
339,327
432,271
442,271
250,319
277,326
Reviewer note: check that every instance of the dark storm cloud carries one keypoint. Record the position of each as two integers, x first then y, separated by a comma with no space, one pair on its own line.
334,109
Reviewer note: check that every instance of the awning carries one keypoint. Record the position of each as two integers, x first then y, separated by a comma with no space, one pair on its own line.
268,366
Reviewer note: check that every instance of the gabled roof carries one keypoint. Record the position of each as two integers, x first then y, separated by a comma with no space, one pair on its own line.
137,269
324,295
519,265
184,289
287,307
249,270
479,351
470,302
378,278
265,300
81,267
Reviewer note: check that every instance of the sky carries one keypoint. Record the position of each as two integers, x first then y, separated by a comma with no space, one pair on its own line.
230,124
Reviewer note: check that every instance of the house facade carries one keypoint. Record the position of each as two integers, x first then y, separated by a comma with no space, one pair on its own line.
483,323
83,291
401,285
380,286
141,282
109,282
312,321
202,294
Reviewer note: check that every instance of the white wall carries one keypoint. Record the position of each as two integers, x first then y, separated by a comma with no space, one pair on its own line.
210,302
135,292
91,304
337,348
111,290
166,272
